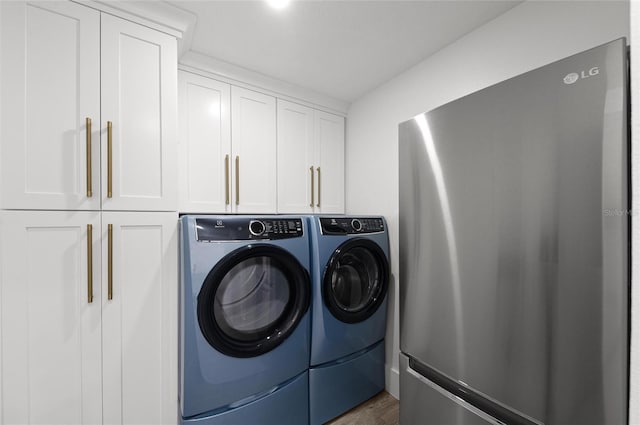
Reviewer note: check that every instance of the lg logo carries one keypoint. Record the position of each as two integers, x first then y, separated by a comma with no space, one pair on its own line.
573,77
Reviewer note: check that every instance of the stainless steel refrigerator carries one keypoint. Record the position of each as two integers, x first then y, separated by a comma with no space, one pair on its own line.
514,250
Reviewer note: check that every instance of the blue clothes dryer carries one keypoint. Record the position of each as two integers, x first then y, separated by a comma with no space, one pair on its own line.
244,320
350,279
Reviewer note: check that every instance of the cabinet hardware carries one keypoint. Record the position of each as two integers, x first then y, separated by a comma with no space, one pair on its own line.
110,262
238,180
311,172
89,263
88,148
109,159
318,204
226,179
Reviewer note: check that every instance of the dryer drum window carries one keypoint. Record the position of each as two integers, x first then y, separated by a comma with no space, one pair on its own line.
252,300
355,280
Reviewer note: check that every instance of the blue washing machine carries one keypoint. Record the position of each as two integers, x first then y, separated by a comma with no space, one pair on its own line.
244,320
350,278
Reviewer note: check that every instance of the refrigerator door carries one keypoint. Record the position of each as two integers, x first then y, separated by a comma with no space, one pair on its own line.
425,399
514,246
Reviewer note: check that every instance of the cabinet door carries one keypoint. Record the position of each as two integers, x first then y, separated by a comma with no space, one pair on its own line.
50,84
253,144
51,345
205,144
139,99
140,317
296,170
329,163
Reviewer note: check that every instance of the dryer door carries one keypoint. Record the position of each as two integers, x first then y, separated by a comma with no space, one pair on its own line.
252,300
355,280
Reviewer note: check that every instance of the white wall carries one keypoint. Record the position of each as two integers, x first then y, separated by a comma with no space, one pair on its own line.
526,37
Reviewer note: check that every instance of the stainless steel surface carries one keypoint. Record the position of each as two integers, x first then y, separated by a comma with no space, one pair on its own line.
422,399
514,241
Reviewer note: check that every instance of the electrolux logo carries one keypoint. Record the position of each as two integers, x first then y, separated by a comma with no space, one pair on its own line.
574,76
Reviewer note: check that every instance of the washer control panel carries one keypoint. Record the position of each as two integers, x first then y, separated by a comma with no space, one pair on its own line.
351,225
245,228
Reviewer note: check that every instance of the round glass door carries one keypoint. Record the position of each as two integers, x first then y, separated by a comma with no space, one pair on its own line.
252,300
355,280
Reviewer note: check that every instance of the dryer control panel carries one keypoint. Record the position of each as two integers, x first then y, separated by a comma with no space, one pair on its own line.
351,225
247,228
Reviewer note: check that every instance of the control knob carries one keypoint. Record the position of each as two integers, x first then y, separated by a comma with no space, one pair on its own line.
356,224
256,227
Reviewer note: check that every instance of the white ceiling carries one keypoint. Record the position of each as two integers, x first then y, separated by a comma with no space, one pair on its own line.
342,49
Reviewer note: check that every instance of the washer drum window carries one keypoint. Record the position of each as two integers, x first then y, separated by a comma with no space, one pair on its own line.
355,280
252,300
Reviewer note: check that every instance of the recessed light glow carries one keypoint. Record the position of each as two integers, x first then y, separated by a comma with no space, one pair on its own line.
278,4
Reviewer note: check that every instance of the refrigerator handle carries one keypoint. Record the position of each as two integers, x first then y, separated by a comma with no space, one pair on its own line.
467,397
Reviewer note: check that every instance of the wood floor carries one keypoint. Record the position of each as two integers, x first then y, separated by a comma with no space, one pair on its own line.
383,409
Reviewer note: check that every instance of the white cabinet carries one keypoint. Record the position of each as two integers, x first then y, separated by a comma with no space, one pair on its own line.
50,84
139,99
296,171
227,148
329,161
253,139
63,64
310,160
51,333
139,317
205,144
71,354
88,127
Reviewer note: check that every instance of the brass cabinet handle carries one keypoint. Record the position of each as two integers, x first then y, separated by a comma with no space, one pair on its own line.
109,159
311,172
237,180
89,263
88,148
226,179
110,262
318,170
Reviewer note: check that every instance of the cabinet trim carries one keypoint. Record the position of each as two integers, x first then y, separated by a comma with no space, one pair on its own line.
204,66
159,16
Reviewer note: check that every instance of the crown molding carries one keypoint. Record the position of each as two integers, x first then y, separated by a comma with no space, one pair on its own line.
207,66
158,15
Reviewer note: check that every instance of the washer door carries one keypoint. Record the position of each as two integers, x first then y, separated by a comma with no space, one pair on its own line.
252,300
355,280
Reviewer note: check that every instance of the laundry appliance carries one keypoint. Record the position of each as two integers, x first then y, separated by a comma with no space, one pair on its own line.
244,320
350,278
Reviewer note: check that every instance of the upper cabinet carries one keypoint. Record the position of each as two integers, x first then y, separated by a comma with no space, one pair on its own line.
50,85
329,161
226,165
139,117
246,152
253,143
310,160
205,144
88,105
